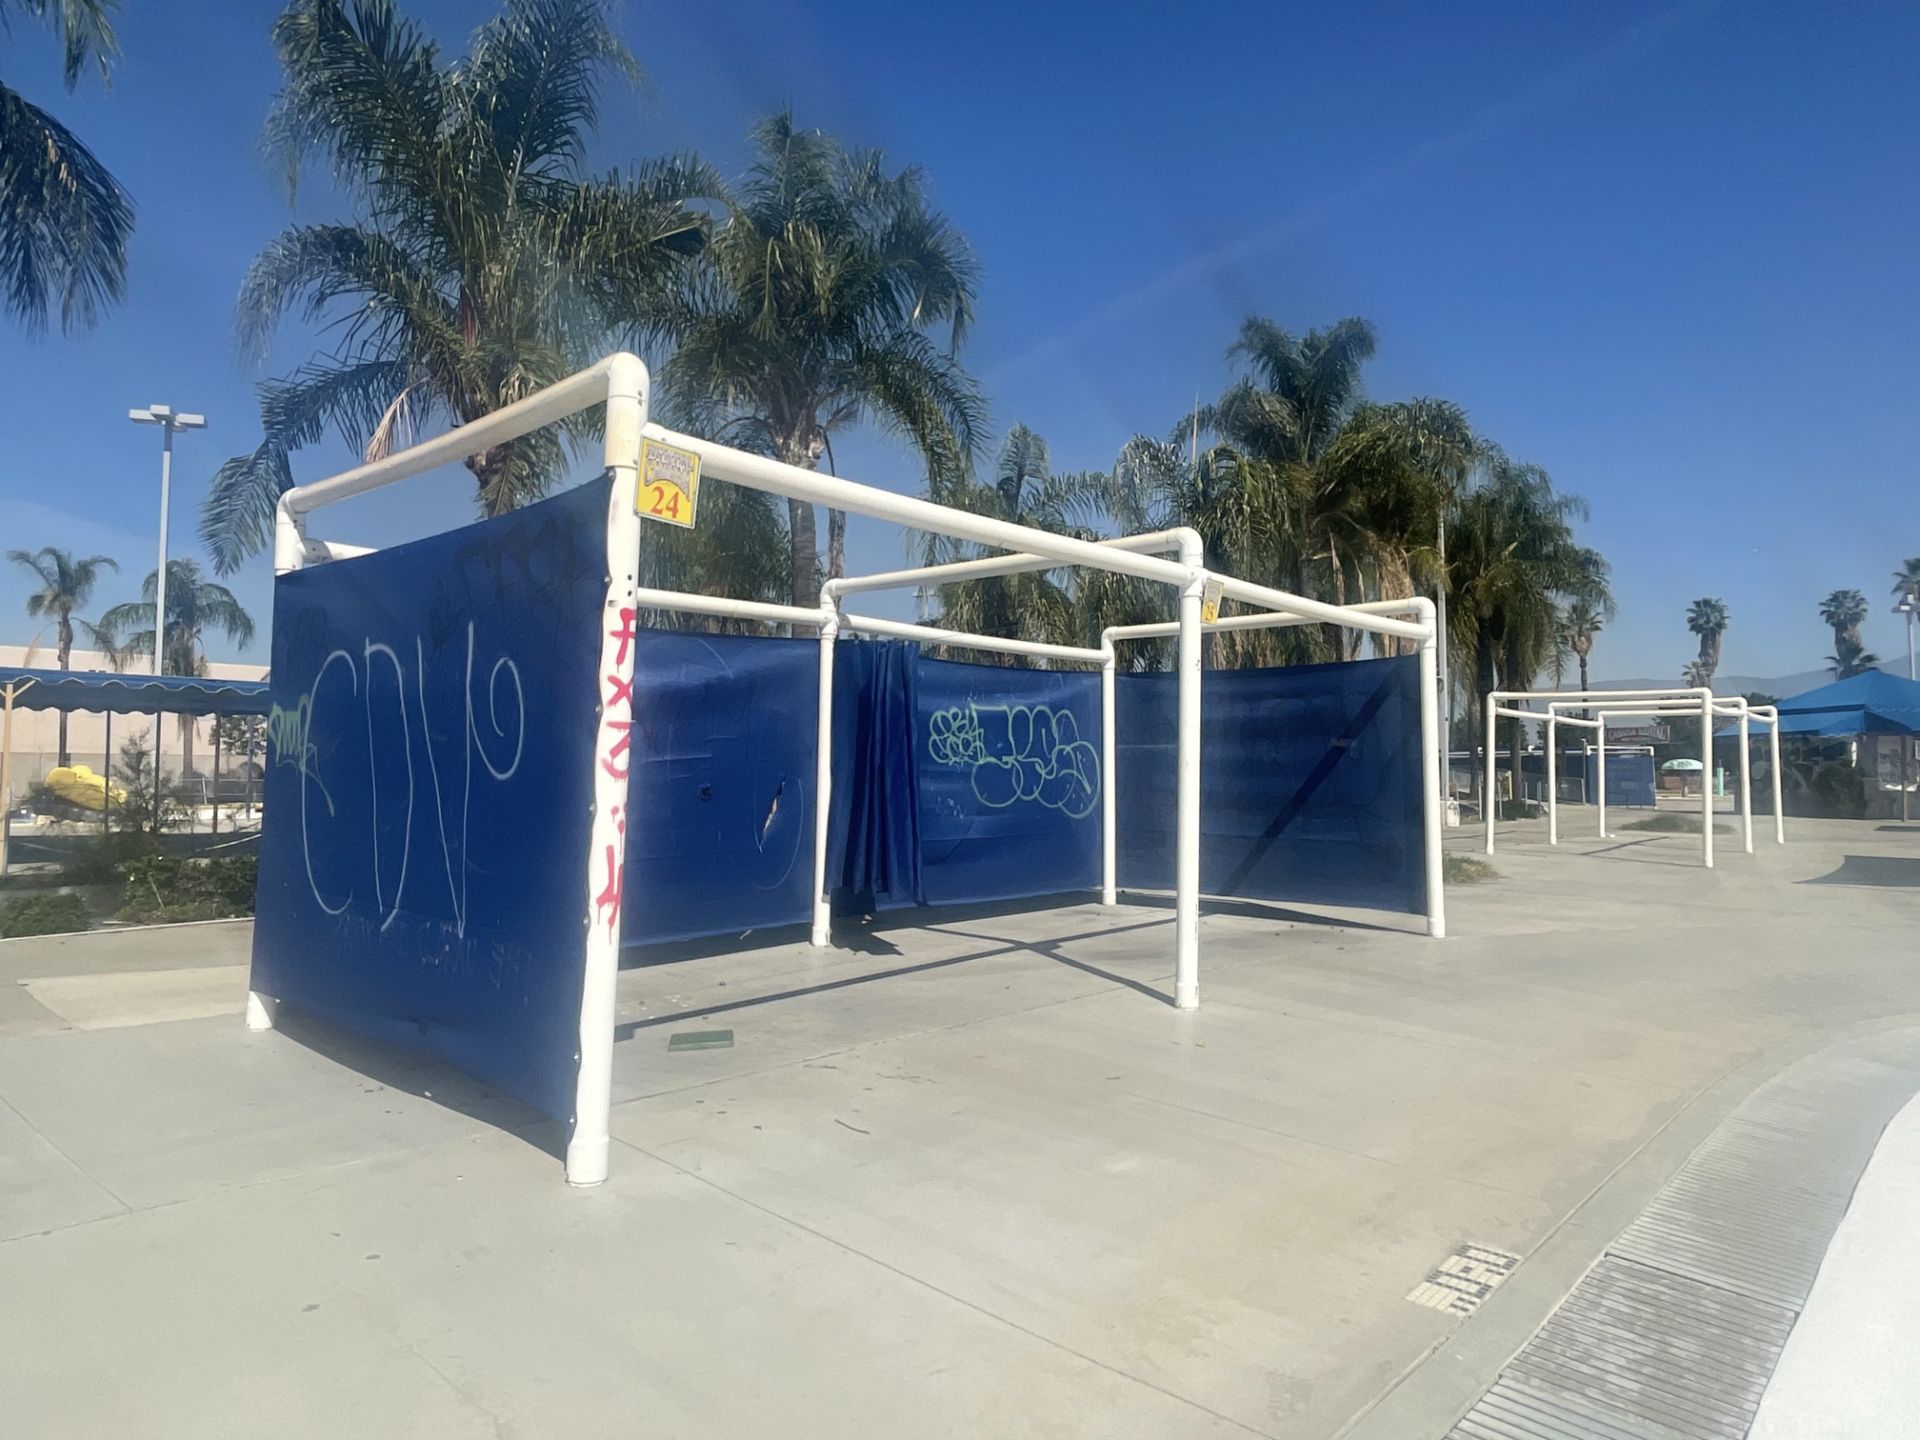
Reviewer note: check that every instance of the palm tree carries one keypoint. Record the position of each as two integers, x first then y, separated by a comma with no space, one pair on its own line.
1512,561
66,584
195,605
1843,610
1708,619
812,311
1327,493
1037,606
1906,580
64,220
1697,674
1849,659
484,266
1580,622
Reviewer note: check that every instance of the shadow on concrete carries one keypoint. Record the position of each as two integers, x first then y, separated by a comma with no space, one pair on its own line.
1269,910
427,1076
1899,829
1044,949
1882,872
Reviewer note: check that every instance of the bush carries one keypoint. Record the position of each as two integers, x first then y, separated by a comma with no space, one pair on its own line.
103,861
1838,791
43,915
164,889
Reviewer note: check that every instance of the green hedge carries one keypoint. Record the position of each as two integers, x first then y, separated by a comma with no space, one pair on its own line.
42,915
167,888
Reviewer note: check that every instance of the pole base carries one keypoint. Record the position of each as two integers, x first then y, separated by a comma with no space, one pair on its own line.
1186,997
260,1010
587,1161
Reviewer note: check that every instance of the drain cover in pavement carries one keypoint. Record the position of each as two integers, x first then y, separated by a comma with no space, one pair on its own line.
1462,1280
701,1040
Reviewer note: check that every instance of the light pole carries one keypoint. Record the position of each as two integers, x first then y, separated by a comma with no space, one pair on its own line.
1907,606
168,421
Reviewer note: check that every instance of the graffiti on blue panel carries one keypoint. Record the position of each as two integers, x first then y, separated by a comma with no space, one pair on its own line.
1019,753
489,714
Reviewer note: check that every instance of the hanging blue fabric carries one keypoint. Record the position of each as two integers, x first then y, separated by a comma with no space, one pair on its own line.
721,788
1309,779
873,859
1009,781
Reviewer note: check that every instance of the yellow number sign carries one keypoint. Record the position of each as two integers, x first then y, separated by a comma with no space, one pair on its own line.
669,487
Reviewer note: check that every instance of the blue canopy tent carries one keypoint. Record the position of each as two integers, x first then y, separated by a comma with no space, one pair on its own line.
1873,703
116,694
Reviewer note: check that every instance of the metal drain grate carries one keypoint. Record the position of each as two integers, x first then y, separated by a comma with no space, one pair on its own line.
1461,1281
1674,1334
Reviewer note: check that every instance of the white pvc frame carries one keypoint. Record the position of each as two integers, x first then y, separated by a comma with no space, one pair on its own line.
1603,705
622,384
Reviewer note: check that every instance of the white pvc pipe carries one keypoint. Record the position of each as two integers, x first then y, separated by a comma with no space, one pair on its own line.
1553,797
1351,616
1600,776
1186,869
1779,816
1156,542
1433,793
758,472
828,620
901,629
556,402
1746,788
1109,768
1706,781
1489,802
1263,620
727,608
623,380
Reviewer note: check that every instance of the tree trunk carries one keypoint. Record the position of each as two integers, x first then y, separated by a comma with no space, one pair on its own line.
1483,686
836,544
186,747
66,657
800,529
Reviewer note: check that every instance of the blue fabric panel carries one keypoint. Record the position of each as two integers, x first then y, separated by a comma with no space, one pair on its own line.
423,871
720,831
1310,783
873,860
1629,778
1009,781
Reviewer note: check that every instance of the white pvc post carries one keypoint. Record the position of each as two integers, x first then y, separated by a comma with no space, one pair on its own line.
1186,870
1109,809
607,850
823,773
1432,786
1746,787
1600,771
1779,817
1706,779
1553,783
1489,803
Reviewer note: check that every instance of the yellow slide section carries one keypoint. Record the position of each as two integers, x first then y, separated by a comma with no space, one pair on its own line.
78,785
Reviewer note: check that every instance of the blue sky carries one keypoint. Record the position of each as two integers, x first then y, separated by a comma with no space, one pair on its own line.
1667,251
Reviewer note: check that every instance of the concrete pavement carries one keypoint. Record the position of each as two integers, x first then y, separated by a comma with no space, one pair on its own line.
973,1178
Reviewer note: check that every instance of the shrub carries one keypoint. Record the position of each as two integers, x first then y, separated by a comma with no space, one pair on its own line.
163,889
42,915
1838,791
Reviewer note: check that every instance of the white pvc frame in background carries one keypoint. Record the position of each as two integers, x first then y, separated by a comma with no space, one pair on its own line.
1624,704
622,384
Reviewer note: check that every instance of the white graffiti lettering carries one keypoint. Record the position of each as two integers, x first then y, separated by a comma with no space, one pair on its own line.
291,737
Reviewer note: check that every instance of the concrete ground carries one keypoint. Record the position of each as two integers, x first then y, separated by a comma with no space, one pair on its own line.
1847,1372
975,1178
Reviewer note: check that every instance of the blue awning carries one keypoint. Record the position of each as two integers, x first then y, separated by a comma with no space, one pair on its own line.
134,694
1875,703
